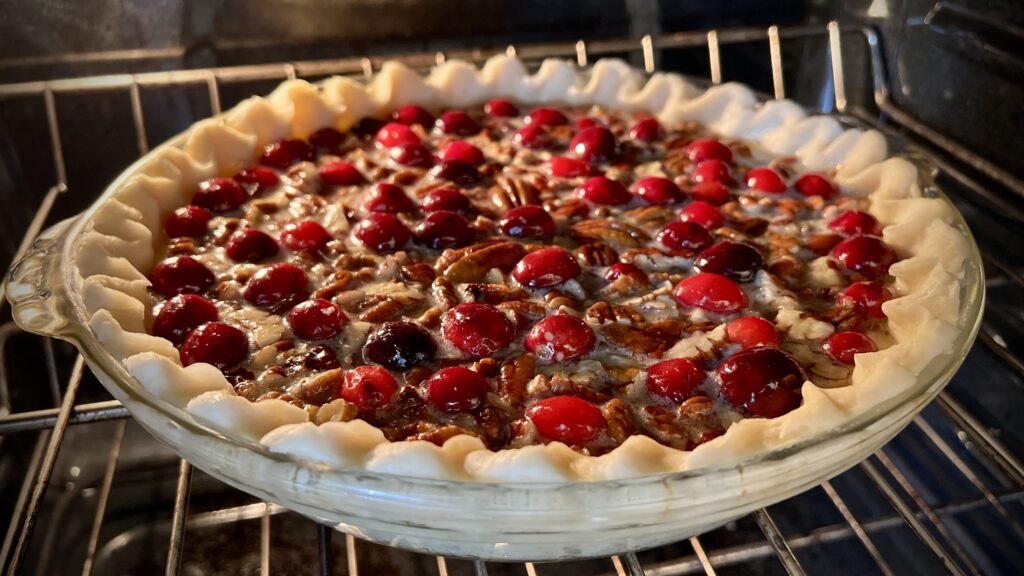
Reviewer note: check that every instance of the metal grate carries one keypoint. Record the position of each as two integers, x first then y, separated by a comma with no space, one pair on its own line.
978,457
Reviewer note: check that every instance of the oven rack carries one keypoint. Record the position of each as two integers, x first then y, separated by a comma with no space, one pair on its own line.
885,475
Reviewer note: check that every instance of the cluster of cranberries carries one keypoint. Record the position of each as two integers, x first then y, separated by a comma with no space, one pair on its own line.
759,380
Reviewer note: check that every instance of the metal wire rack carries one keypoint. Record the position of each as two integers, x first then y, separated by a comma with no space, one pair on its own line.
973,450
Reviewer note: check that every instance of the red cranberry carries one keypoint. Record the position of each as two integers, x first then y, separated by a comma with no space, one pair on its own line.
532,136
326,138
546,267
220,194
676,380
604,191
444,229
286,152
463,151
566,419
500,107
528,221
702,213
456,172
560,338
585,122
546,117
368,387
412,154
305,235
765,180
655,190
392,134
217,343
457,123
815,185
445,198
751,331
594,144
711,292
259,178
623,269
687,236
399,345
843,346
712,171
714,193
761,382
855,223
180,275
190,221
456,389
250,245
382,232
181,315
736,260
384,197
866,255
316,319
340,174
278,286
708,149
866,297
562,167
647,130
478,330
411,115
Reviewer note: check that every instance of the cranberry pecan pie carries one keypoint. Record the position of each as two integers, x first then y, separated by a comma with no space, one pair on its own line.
492,275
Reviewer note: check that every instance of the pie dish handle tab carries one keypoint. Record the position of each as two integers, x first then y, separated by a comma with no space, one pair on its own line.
36,287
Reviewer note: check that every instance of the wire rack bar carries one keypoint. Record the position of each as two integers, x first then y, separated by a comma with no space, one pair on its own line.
857,528
778,542
351,557
46,419
990,446
42,479
31,471
952,456
178,518
702,556
775,52
104,495
929,513
325,557
909,517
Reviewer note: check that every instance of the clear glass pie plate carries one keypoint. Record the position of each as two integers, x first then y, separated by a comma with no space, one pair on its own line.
502,521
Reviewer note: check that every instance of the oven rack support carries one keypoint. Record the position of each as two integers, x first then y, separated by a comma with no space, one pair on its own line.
924,521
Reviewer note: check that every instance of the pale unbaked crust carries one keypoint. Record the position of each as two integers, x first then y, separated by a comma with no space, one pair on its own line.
120,240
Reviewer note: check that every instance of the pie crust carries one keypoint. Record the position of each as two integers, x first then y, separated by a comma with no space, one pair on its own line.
119,244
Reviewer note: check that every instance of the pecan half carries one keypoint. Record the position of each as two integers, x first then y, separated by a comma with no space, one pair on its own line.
511,193
524,313
444,294
514,376
653,338
319,389
418,272
619,235
473,266
597,254
620,420
602,312
339,281
494,293
651,217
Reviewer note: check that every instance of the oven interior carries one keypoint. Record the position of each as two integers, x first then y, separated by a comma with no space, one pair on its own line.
86,88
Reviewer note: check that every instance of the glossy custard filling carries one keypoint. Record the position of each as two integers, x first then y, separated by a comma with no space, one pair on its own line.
525,276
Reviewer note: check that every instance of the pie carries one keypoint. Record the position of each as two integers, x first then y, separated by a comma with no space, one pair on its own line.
492,275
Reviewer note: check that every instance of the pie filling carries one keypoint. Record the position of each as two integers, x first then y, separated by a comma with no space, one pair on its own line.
525,276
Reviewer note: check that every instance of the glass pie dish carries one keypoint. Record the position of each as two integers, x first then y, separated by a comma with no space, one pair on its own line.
503,521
